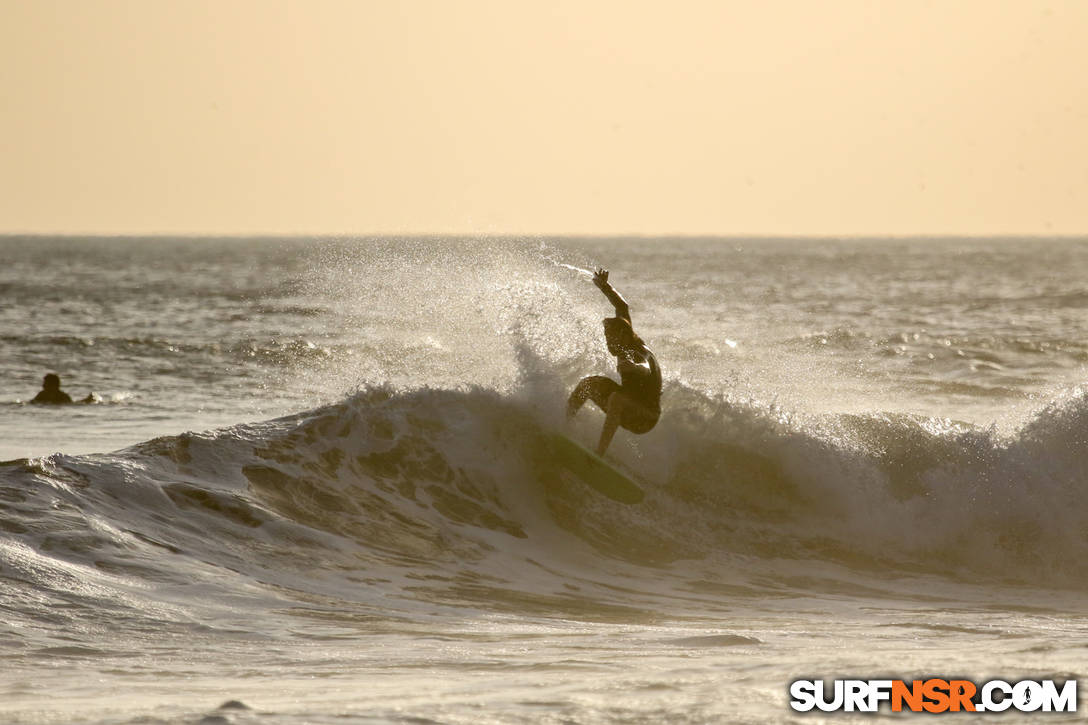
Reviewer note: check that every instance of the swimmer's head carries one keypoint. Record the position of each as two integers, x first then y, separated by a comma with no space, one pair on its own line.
51,382
618,335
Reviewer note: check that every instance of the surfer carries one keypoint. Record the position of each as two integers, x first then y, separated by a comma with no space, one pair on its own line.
51,394
635,402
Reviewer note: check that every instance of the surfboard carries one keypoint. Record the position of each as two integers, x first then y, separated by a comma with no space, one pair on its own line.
594,471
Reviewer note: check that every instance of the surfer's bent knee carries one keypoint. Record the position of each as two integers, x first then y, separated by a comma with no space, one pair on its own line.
597,388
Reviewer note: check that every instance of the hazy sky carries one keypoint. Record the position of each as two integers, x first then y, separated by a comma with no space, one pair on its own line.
780,117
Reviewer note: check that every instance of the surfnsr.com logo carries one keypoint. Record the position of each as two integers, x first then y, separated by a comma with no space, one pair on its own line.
934,695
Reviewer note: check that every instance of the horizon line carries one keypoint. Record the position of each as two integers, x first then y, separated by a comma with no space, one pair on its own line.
541,235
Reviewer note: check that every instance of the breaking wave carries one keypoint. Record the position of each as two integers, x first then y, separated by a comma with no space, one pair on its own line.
402,499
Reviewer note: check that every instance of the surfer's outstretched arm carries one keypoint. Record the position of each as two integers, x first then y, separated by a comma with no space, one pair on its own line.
600,278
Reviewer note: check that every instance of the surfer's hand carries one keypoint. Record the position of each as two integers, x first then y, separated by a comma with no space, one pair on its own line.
600,277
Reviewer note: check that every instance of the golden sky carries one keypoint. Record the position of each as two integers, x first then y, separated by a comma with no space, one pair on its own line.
579,117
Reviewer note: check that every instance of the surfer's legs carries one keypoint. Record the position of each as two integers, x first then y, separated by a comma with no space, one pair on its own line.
619,409
612,417
597,388
620,412
627,412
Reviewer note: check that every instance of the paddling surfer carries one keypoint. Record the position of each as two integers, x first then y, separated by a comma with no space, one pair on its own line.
51,394
635,402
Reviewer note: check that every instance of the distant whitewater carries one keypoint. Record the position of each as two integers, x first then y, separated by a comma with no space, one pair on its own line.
873,449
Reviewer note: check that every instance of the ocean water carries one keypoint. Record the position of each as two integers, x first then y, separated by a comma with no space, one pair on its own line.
314,488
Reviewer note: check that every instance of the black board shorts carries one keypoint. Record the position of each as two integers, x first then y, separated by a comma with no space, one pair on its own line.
637,418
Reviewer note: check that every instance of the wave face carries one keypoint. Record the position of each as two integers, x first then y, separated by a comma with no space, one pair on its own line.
414,500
